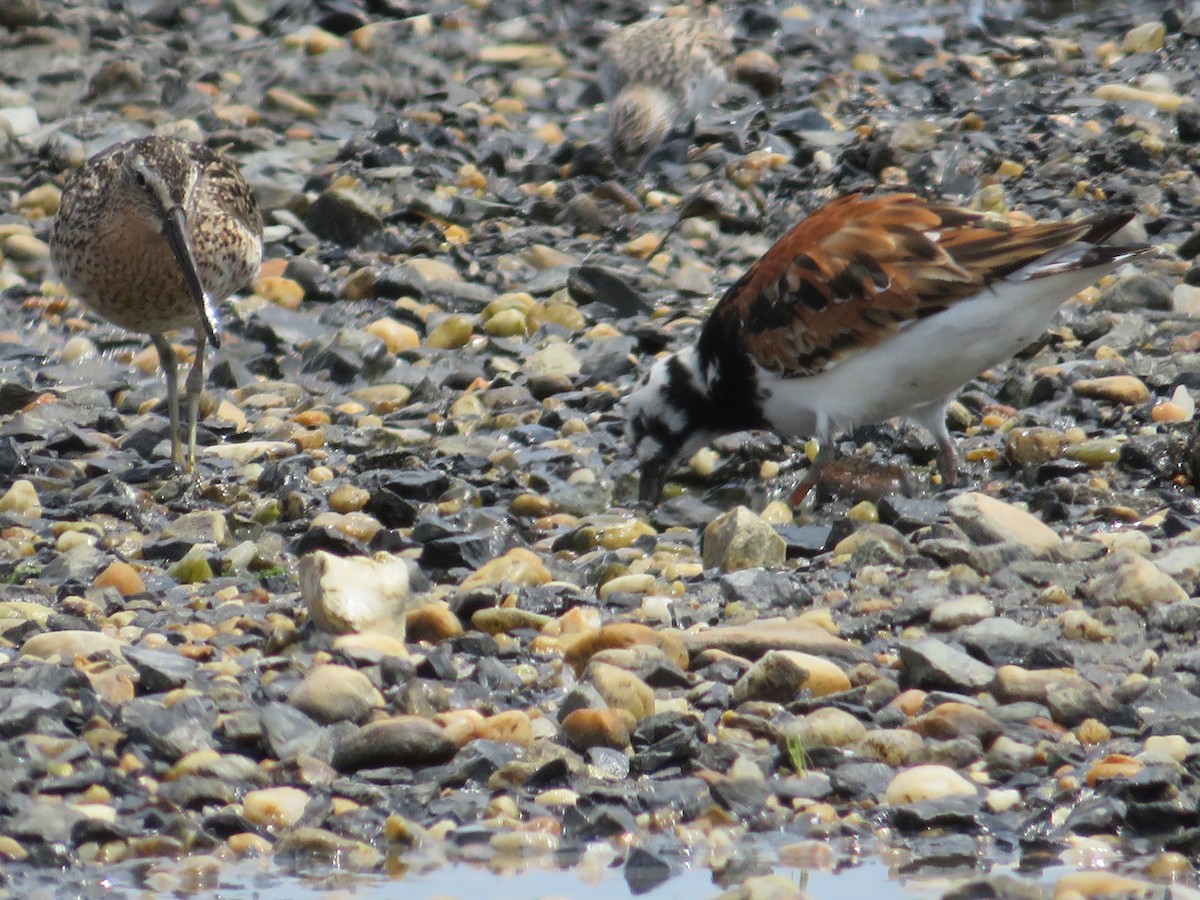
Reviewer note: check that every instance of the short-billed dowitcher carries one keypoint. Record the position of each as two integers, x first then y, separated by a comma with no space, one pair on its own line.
872,307
152,234
658,75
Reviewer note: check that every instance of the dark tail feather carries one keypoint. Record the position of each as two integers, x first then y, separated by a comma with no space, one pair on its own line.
1093,257
1104,227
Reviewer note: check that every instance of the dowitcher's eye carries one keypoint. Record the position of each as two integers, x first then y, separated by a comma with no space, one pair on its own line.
140,178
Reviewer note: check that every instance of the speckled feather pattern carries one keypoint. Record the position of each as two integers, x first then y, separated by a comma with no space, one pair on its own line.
683,55
658,75
107,243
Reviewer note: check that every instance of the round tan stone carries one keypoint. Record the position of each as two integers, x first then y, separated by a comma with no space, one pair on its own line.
460,725
927,782
433,622
334,693
621,689
396,336
518,567
1123,389
347,498
67,645
587,728
276,807
248,844
621,635
825,727
510,727
121,576
1114,766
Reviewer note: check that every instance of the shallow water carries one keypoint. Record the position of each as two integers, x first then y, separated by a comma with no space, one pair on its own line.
264,880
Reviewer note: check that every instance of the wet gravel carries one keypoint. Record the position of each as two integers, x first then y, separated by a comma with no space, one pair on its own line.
406,615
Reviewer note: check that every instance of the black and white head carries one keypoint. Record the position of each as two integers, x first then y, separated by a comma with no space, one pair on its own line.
665,418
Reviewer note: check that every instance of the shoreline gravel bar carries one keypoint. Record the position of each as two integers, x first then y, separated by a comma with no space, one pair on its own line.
407,617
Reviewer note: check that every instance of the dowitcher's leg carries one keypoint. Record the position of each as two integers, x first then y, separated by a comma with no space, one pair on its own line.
166,359
195,386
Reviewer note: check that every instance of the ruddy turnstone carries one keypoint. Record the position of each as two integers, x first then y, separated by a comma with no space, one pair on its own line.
872,307
151,234
658,75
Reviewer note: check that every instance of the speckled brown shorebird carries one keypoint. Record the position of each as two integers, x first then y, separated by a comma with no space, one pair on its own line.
152,234
658,75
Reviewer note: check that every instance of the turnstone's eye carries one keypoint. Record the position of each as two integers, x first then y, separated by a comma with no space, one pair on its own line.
140,177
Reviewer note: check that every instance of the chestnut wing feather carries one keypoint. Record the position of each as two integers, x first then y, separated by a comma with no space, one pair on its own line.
861,268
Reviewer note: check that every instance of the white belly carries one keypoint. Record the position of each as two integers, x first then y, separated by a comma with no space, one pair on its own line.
917,371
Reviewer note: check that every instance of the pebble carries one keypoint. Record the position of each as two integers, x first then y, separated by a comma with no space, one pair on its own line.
739,539
518,567
1145,38
510,727
588,728
121,577
1134,581
622,635
1124,389
781,675
433,622
963,611
393,741
396,336
355,593
826,727
333,693
21,499
988,520
275,808
621,689
431,365
927,782
68,644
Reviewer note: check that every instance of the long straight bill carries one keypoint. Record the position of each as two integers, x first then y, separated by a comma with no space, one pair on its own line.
176,234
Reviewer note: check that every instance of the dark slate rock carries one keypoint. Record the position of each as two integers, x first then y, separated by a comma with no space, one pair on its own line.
158,670
686,796
581,695
950,813
287,731
932,664
21,710
813,786
476,763
1000,642
1182,617
590,820
403,741
1072,702
1097,815
341,216
764,589
199,791
745,798
170,733
861,780
645,870
806,541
